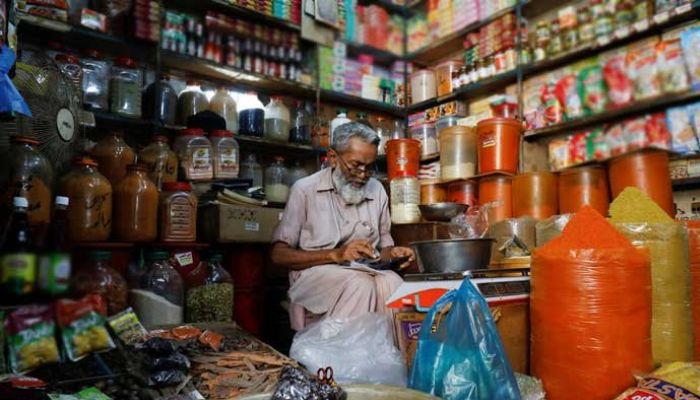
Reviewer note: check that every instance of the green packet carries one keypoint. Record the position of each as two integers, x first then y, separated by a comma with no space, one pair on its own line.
90,393
86,335
127,327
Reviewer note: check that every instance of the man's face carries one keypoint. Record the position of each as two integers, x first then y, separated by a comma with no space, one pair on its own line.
356,163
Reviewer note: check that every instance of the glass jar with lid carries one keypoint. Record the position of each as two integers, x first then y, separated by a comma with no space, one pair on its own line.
251,115
95,78
296,172
223,104
300,131
160,101
225,149
113,155
178,213
158,298
277,120
251,169
194,152
125,85
458,149
191,101
27,173
90,209
100,278
276,187
405,198
71,69
160,161
212,301
136,206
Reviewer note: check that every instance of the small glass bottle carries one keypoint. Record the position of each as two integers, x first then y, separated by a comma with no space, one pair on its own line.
100,278
158,299
405,198
300,131
18,263
225,154
276,187
212,301
251,169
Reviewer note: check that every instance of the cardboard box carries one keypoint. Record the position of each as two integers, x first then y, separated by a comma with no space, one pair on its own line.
407,325
226,223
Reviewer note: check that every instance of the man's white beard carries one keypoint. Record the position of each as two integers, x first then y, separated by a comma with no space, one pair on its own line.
348,192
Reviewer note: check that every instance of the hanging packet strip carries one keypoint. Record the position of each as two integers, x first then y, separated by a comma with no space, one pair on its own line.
11,101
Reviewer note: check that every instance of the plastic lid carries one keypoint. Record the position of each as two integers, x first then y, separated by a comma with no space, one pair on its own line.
20,202
125,62
176,186
24,139
156,255
100,255
499,120
66,58
85,161
62,201
92,53
160,138
191,132
221,133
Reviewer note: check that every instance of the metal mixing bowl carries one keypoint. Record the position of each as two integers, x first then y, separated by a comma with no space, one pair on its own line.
453,255
441,211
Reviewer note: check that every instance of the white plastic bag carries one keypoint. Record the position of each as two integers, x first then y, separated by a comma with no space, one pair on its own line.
359,349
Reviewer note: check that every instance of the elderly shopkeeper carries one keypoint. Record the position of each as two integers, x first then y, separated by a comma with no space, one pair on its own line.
333,217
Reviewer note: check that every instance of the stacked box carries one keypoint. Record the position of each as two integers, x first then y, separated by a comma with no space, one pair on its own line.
371,87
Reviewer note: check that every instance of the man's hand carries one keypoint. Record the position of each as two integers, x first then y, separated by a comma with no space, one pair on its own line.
398,251
353,251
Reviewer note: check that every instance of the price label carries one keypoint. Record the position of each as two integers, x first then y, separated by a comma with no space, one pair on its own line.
622,33
662,17
641,26
184,259
684,8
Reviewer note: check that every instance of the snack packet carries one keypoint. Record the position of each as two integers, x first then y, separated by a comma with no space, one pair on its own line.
577,148
657,131
566,92
615,137
591,86
553,110
559,154
672,72
597,146
82,324
643,70
127,327
677,380
635,133
690,43
31,338
620,90
683,138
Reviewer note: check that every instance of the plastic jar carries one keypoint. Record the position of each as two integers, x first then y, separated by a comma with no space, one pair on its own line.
90,209
446,122
458,152
251,169
100,278
30,176
277,120
72,70
178,213
136,207
463,192
113,155
295,173
505,106
402,155
158,298
212,301
160,161
499,145
223,104
443,75
225,154
497,189
276,187
160,101
300,131
194,153
191,101
251,115
584,186
535,194
384,130
432,192
405,197
95,80
341,118
423,86
646,170
125,84
425,133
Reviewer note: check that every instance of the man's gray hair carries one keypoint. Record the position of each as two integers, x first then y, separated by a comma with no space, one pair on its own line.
343,133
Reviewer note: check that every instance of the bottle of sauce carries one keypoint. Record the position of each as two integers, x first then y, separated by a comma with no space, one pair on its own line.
223,104
136,207
55,261
18,259
113,155
160,161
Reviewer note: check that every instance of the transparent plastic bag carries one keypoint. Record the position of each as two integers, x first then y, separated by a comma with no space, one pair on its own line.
460,355
360,350
473,223
550,228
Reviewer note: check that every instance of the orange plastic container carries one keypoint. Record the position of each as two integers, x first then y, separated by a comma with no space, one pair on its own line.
402,155
443,75
499,145
497,188
463,192
432,192
535,195
646,170
584,186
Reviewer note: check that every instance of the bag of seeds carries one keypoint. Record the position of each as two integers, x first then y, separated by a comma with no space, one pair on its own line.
31,339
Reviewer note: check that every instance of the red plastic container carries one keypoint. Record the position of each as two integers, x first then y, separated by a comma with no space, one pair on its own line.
499,145
402,155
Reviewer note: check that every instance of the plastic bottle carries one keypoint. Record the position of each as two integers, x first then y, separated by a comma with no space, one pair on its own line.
160,101
300,131
405,198
226,154
55,261
212,301
341,118
277,120
276,187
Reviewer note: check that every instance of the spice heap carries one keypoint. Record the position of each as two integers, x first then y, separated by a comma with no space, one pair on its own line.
586,337
632,205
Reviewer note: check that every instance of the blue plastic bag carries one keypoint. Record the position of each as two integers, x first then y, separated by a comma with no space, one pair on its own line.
460,355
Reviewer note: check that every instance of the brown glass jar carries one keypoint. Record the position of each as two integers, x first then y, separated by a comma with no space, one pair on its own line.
90,209
113,155
136,207
178,213
160,161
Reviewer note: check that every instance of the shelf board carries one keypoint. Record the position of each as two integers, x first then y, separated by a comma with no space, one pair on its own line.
233,10
584,52
686,183
359,102
390,6
250,142
451,43
383,57
235,77
636,108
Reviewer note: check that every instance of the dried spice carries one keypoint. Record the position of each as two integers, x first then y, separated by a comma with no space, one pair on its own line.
211,302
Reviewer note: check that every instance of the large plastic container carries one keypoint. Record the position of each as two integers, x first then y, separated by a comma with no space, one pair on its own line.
458,152
178,213
251,115
191,101
497,189
463,192
402,155
432,192
125,85
499,145
443,75
226,155
113,156
423,86
405,197
223,104
584,186
428,139
136,206
194,152
535,195
446,122
158,298
277,120
646,170
276,186
90,209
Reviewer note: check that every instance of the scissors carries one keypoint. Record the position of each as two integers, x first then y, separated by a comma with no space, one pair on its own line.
325,375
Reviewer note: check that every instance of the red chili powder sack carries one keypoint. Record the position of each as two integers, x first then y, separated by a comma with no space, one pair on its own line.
587,230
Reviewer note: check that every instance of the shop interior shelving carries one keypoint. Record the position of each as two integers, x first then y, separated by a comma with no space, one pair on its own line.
686,184
359,102
382,57
233,10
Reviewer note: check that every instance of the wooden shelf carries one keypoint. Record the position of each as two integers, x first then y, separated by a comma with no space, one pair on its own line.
686,184
233,10
358,102
383,57
294,149
637,107
404,10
